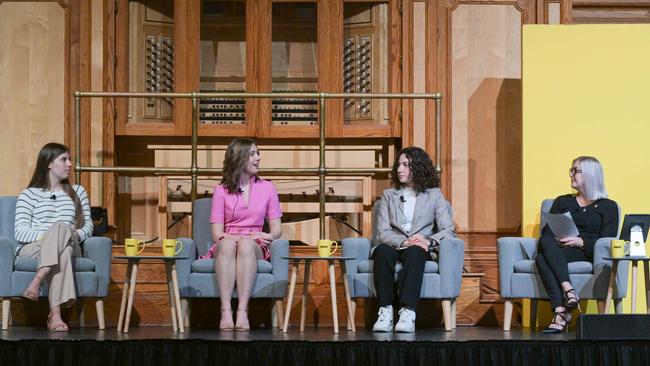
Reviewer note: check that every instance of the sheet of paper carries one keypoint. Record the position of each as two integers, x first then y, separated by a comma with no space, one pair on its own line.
561,225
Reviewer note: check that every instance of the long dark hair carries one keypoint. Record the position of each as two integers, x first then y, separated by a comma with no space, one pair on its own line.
423,173
236,158
41,177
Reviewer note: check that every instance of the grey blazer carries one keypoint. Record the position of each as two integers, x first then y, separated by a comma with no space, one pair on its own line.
430,208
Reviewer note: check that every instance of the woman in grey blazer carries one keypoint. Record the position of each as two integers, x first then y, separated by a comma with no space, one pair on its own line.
412,219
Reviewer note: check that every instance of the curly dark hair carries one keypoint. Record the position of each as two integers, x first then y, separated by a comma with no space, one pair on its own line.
423,173
236,158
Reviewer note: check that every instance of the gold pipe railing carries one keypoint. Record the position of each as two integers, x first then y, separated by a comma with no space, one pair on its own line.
194,171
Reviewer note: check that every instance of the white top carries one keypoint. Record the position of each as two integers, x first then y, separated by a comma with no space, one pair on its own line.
408,208
37,210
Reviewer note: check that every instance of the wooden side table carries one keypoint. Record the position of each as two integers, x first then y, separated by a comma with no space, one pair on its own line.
612,280
305,291
129,287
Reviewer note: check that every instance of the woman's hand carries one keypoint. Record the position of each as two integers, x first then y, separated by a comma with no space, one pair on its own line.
418,240
572,241
265,238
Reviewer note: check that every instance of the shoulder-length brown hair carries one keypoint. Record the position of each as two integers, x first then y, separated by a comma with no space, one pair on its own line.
41,176
235,161
423,173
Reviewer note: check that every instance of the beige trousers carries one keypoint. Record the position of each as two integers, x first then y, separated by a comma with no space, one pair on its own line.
56,249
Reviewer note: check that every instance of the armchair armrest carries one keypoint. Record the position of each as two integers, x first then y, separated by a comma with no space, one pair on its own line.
450,264
358,248
603,268
280,249
511,250
99,250
6,265
184,266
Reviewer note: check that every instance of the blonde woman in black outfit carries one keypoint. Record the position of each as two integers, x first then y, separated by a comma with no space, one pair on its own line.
595,216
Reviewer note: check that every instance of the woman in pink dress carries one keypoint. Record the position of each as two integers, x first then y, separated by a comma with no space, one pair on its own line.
240,204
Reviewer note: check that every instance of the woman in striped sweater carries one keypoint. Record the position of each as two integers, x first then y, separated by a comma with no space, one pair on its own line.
52,218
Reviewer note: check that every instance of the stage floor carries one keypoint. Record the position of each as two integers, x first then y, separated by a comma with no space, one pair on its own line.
321,334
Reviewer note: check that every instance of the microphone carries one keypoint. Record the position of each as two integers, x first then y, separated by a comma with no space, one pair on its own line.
53,197
401,198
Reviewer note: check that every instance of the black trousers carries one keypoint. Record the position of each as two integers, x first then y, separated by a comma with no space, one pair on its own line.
409,278
553,264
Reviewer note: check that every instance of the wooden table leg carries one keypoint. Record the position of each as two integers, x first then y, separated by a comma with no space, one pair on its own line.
129,306
610,288
292,287
305,293
170,293
634,282
125,292
348,301
335,315
647,286
177,299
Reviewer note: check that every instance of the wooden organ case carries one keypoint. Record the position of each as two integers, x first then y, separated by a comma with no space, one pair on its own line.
260,46
151,42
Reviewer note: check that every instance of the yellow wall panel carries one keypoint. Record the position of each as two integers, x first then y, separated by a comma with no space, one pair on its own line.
586,91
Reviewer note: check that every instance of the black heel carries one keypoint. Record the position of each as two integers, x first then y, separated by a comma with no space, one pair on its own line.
571,302
561,321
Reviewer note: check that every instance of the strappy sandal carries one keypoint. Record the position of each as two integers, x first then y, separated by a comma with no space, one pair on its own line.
571,301
226,323
30,295
56,326
244,325
559,323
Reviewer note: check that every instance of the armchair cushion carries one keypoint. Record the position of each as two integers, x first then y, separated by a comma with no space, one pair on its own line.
528,266
29,264
207,266
367,266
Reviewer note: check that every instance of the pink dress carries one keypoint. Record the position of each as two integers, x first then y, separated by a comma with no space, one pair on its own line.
231,210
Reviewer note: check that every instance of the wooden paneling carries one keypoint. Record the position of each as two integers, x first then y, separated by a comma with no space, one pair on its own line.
419,124
109,108
473,56
33,86
95,129
610,11
485,93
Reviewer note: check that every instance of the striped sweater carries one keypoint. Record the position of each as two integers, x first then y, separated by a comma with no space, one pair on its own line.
37,210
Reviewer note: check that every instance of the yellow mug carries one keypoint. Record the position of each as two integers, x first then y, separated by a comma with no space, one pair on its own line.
131,246
325,247
169,247
618,248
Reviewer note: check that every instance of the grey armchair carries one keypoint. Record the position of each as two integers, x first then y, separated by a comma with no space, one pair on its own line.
91,272
442,279
197,279
519,278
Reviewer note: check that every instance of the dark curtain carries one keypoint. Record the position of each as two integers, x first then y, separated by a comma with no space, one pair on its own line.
281,353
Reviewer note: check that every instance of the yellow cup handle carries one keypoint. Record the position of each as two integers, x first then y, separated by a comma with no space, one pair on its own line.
336,246
179,249
143,245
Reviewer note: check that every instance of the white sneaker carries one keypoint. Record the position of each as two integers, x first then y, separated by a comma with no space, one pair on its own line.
384,321
406,323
